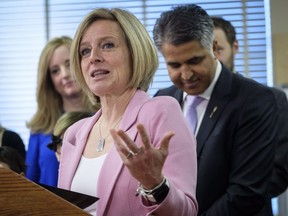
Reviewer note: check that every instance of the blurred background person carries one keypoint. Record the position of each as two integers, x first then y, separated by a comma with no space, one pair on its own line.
228,45
10,158
65,121
226,37
57,93
123,149
12,139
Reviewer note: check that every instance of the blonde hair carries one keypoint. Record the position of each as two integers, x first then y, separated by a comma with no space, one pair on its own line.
142,49
67,119
49,101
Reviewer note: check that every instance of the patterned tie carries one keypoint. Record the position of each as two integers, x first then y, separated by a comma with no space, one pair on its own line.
191,115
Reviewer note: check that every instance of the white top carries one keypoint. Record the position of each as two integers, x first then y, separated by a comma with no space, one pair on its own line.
85,180
201,108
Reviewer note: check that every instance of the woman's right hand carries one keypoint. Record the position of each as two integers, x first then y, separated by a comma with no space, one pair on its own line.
144,163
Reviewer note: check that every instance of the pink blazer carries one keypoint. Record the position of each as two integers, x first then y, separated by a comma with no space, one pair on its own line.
116,187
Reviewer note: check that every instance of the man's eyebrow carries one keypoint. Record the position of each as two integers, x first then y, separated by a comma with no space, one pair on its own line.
196,58
172,63
187,61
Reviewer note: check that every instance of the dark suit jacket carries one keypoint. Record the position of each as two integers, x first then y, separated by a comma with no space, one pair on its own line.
279,181
235,146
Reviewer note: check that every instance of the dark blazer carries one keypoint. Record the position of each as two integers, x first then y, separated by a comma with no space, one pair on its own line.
234,146
279,181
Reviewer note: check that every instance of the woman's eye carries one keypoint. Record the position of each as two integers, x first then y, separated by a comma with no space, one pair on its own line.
84,52
108,46
54,70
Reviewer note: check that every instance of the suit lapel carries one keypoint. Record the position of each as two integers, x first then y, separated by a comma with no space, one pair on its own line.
79,148
219,99
113,164
178,95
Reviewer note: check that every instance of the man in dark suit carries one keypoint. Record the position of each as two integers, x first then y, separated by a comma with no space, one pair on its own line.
225,35
236,120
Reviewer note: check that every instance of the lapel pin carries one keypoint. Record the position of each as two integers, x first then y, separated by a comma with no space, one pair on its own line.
213,111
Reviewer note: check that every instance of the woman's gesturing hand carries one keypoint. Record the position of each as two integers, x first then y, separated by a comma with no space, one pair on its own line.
145,163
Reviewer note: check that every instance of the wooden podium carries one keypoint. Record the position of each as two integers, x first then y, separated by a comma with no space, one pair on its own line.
19,196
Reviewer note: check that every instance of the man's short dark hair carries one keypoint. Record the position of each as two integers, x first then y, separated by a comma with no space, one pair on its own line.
182,24
227,27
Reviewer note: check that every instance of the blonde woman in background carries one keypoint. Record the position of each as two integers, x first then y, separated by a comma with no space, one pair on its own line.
57,93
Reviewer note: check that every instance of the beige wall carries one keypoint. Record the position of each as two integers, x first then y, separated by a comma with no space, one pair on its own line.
279,28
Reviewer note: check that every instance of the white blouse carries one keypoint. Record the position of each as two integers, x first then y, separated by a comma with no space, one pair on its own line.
85,180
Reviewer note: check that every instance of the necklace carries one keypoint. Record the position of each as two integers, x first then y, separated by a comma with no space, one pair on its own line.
101,142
